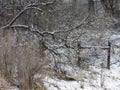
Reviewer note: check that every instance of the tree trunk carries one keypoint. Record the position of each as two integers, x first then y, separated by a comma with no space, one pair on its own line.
91,7
109,53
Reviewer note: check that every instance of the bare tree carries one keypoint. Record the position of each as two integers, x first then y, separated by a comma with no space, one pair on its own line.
111,7
30,28
91,7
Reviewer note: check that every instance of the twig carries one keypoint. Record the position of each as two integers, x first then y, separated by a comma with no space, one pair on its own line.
30,6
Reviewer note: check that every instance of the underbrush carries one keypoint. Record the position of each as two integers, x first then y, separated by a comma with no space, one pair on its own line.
22,56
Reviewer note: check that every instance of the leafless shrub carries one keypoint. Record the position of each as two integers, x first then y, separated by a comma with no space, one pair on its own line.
29,66
7,55
22,57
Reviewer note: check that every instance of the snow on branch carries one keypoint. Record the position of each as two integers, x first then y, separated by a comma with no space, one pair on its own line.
19,26
29,6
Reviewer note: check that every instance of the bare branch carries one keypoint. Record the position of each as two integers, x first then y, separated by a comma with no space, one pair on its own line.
19,26
30,6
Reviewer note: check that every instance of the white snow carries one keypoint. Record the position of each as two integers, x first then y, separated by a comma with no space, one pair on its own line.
97,79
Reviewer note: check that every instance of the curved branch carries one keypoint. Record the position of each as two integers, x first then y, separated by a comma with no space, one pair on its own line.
20,13
30,6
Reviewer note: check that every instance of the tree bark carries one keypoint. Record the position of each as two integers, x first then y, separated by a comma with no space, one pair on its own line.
109,55
91,7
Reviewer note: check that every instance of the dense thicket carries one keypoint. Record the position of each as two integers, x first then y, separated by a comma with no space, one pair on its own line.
34,32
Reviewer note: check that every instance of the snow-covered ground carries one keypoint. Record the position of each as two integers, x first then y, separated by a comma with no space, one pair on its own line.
96,79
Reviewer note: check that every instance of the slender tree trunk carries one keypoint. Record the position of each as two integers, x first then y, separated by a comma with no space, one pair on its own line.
74,6
91,7
109,55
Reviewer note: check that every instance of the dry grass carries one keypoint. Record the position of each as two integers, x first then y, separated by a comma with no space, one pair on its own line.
4,85
21,57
